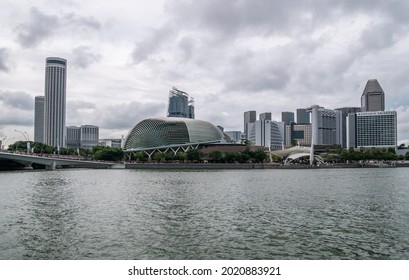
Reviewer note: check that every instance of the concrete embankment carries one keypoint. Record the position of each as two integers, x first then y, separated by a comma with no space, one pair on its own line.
226,166
250,166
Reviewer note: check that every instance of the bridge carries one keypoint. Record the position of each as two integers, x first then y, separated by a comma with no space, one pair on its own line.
52,162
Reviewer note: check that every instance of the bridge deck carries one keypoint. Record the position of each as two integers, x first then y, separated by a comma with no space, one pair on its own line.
53,161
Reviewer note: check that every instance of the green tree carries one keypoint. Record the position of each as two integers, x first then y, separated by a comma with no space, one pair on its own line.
193,155
180,156
108,153
215,156
260,155
158,156
169,156
244,157
139,157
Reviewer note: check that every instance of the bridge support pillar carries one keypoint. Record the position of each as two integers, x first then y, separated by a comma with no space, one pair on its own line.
52,166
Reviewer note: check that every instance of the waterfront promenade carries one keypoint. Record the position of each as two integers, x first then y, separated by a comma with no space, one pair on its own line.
52,162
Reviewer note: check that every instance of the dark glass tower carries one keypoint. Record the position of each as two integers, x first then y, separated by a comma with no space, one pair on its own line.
39,119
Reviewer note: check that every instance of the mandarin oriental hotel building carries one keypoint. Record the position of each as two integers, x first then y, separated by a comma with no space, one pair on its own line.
372,129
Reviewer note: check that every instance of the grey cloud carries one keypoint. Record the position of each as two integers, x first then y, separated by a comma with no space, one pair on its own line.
186,45
39,28
4,56
16,109
83,56
80,105
256,72
10,118
378,36
257,80
125,116
80,21
229,18
155,41
17,100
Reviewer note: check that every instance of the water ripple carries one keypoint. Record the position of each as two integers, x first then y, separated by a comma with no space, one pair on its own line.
255,214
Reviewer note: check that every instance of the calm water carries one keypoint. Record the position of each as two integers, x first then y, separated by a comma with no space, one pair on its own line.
250,214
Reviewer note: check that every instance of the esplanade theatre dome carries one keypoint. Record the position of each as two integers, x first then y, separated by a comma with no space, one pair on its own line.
159,133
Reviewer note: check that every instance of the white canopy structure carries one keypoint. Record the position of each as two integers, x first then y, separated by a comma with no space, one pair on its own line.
294,153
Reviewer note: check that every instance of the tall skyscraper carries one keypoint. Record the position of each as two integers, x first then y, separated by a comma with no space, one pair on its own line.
303,116
287,117
345,111
55,101
249,117
180,105
39,119
373,97
326,126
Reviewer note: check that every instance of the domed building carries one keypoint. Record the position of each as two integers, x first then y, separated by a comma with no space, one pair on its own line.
171,133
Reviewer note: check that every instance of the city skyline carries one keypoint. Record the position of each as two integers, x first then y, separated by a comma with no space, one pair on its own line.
232,57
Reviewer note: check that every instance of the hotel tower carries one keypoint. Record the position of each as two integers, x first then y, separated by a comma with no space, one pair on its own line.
55,100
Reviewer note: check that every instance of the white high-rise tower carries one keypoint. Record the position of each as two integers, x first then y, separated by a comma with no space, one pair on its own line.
55,101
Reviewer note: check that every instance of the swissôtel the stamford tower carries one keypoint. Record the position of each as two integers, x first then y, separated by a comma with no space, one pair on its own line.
55,101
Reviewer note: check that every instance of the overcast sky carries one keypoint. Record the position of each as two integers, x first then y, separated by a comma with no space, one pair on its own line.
230,55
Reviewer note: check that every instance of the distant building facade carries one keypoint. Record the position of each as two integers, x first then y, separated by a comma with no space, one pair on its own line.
266,133
287,117
84,137
326,126
55,101
89,136
73,137
373,126
372,129
180,104
191,108
235,136
113,143
303,116
298,134
39,119
249,117
265,116
373,97
344,113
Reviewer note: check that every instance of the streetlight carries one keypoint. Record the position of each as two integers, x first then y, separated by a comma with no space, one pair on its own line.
8,140
1,143
26,138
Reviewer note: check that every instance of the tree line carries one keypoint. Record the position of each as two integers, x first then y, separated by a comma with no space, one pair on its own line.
196,155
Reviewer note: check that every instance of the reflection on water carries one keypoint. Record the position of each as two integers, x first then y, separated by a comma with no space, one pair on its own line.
50,220
262,214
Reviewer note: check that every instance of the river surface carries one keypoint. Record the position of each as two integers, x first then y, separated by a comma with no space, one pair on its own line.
224,214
